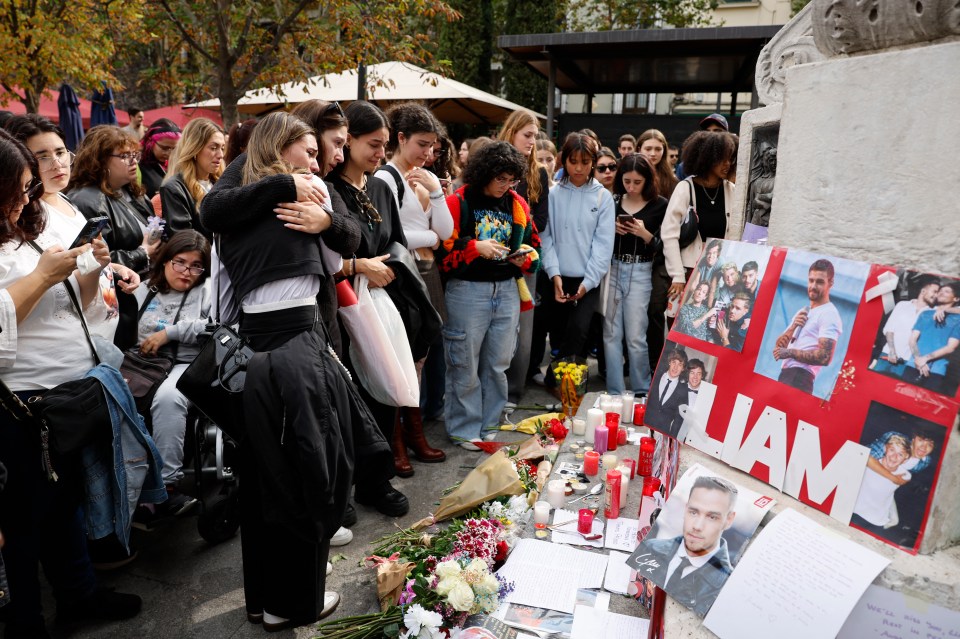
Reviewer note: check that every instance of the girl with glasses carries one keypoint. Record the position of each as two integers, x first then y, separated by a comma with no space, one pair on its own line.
195,166
491,249
156,147
606,168
577,244
175,309
104,183
45,140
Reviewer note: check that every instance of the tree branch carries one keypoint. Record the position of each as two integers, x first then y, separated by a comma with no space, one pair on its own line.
263,58
186,34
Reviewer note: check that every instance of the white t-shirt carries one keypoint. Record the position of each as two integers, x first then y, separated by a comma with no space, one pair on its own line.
50,346
822,322
900,323
876,494
421,228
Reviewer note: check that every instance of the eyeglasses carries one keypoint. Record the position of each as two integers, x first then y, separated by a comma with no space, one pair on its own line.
368,209
508,181
63,159
182,267
34,190
606,168
334,107
128,158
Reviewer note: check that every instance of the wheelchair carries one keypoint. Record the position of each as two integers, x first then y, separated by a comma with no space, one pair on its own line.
210,468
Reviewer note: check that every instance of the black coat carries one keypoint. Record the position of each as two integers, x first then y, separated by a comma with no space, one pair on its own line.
410,295
665,416
124,236
179,208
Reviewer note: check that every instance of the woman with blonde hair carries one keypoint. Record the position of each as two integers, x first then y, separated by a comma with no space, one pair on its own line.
195,166
652,145
520,130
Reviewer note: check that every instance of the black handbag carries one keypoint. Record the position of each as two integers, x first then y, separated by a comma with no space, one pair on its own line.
214,380
71,415
690,228
145,373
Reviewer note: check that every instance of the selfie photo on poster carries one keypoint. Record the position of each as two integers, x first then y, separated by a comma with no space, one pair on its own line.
699,537
809,326
722,292
918,341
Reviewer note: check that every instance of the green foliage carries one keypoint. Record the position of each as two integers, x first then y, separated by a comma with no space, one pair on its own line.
521,84
797,5
468,43
606,15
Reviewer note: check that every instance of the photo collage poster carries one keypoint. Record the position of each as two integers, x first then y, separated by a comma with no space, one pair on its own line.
832,380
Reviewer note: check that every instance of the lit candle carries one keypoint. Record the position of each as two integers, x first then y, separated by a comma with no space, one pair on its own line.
591,463
585,521
541,514
600,437
624,482
609,461
594,419
626,414
613,429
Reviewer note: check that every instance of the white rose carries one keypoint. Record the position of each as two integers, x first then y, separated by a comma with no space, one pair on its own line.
444,586
447,569
488,586
477,566
461,597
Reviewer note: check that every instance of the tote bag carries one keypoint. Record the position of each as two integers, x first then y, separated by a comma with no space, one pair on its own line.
379,348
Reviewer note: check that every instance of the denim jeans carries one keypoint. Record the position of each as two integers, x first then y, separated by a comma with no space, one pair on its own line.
626,313
479,340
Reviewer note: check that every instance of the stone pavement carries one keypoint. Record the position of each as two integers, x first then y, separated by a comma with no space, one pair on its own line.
192,589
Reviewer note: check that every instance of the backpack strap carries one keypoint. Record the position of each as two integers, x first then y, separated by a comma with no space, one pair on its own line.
401,189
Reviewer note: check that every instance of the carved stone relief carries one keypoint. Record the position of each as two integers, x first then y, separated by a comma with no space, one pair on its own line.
848,26
792,45
763,171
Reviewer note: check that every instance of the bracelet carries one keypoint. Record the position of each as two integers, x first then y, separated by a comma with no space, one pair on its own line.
353,266
437,195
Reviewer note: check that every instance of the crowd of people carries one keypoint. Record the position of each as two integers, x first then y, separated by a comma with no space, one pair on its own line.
484,252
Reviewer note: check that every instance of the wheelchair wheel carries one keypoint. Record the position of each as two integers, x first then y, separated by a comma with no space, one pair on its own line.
220,520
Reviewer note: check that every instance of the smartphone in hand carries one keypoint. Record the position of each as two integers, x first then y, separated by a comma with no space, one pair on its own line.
624,218
520,253
91,229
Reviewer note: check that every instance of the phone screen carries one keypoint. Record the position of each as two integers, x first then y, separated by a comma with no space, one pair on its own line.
93,227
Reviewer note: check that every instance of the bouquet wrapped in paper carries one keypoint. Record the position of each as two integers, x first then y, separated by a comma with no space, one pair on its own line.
495,477
571,376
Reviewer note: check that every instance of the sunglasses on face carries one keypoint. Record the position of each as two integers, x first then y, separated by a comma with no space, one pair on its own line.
606,168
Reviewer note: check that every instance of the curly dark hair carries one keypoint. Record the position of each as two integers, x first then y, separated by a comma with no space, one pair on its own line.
636,163
181,242
237,139
491,161
410,118
15,159
24,127
704,150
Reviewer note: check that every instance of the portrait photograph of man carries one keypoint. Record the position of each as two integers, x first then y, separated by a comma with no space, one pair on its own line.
918,342
683,376
808,327
699,537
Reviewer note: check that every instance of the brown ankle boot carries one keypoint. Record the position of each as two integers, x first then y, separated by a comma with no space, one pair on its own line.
401,463
416,440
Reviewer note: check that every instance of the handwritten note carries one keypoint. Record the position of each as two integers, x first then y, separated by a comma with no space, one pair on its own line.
893,615
619,574
590,623
622,534
534,563
796,581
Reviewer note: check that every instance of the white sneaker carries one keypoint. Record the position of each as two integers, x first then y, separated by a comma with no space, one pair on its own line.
329,568
342,537
330,602
469,445
538,379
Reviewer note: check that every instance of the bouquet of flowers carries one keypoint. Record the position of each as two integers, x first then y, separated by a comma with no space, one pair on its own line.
450,577
571,376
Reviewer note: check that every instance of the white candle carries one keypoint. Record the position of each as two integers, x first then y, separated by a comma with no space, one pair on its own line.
609,461
626,415
555,496
579,426
624,483
594,419
541,513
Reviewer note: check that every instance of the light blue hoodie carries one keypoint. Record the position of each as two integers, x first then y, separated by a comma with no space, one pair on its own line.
578,241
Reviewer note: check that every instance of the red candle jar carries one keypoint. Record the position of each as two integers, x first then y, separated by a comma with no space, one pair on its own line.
648,446
612,494
612,418
621,436
632,464
591,463
612,433
585,521
650,486
639,410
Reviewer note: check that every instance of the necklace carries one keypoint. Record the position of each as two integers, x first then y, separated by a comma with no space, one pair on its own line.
716,194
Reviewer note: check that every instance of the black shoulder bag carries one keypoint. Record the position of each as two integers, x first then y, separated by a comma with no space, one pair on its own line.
70,415
145,373
690,227
214,380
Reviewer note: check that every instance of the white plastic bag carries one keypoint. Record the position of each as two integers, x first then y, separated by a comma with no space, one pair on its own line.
379,348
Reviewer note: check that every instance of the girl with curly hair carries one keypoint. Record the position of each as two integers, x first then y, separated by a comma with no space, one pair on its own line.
493,245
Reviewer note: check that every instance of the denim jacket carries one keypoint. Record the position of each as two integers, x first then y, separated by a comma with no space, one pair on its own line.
114,486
